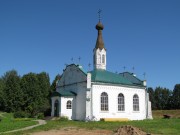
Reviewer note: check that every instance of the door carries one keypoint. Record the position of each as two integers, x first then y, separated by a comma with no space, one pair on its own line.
56,108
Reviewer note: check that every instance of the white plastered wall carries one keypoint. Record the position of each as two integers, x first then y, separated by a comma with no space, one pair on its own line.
98,58
74,79
64,111
113,112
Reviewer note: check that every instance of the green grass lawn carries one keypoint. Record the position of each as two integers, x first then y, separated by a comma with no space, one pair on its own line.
9,123
158,126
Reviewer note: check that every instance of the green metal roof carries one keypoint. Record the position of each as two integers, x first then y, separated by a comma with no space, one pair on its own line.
104,76
79,67
63,93
131,77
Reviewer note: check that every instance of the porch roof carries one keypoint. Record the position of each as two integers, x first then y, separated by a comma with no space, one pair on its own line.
63,93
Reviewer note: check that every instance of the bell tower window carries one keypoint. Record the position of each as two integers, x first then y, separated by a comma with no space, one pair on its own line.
103,59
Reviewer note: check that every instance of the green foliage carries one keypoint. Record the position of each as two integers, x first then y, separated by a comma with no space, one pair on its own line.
28,94
162,98
30,87
40,115
53,85
20,114
176,96
102,119
36,89
12,94
151,97
63,118
1,95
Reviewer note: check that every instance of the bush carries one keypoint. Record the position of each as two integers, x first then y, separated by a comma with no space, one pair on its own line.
63,118
40,116
102,119
20,114
0,119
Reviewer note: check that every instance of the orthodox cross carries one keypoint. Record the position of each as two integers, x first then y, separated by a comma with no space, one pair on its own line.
99,14
89,65
144,75
133,68
72,59
124,68
79,59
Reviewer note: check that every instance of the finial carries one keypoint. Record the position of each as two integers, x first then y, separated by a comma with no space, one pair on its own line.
133,68
89,65
79,59
99,14
144,75
72,59
124,68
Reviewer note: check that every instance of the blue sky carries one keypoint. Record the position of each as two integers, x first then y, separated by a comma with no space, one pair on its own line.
43,35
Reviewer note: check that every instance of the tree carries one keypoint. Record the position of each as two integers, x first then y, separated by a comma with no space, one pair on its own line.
53,85
12,94
44,85
151,97
176,96
1,95
36,89
32,98
162,98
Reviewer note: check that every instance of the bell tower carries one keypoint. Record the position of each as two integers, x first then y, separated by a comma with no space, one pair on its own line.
99,51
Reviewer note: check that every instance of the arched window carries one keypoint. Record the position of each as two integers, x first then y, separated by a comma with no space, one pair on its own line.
135,103
120,102
103,59
104,101
69,105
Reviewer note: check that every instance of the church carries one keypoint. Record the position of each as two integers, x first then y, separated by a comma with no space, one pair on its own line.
100,94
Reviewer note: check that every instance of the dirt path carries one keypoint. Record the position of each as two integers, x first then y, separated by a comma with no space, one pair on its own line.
40,122
73,131
123,130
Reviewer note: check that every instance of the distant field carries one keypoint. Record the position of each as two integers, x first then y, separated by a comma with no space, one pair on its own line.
160,113
9,123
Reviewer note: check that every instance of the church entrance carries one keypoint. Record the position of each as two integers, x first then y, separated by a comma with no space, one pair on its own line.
56,108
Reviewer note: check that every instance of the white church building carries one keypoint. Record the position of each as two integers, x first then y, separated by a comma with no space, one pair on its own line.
100,94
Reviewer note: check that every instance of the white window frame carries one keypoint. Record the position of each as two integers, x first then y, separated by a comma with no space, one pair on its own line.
135,102
69,104
121,103
103,59
104,106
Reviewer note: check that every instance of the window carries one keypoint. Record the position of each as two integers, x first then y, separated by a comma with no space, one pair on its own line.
120,102
103,59
69,105
135,103
104,101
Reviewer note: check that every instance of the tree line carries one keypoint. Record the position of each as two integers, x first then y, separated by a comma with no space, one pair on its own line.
29,94
164,99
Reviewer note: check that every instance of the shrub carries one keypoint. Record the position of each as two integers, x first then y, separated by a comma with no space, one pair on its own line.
40,116
20,114
102,119
63,118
